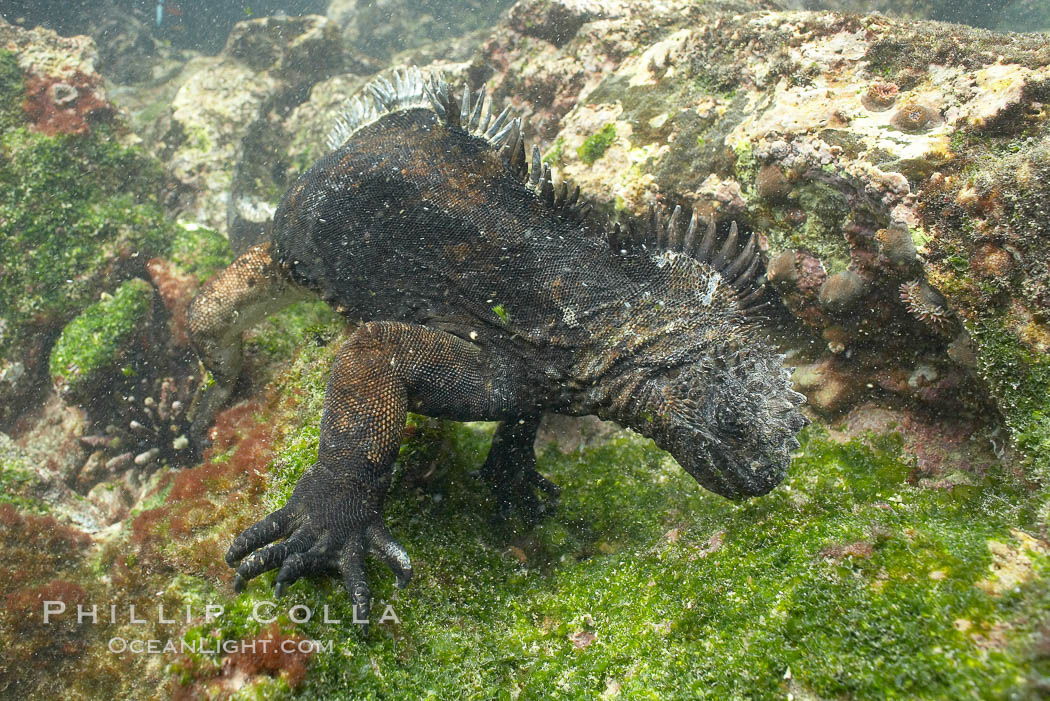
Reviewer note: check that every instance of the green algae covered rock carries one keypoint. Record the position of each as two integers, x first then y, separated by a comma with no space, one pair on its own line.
595,146
848,581
848,145
79,209
106,222
11,89
94,346
199,251
83,214
989,256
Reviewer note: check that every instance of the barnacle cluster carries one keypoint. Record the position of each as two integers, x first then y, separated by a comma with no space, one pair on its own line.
781,271
842,290
897,247
771,184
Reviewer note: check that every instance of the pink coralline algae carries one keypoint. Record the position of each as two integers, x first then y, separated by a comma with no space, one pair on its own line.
67,105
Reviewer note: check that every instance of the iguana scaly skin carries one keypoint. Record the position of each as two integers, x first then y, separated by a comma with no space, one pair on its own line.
486,293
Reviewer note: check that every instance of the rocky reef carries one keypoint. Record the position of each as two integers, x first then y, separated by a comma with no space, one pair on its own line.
842,140
897,175
1006,16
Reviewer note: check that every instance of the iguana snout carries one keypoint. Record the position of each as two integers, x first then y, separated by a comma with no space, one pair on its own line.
733,429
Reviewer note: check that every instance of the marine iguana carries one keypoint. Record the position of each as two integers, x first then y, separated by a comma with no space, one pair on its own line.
485,292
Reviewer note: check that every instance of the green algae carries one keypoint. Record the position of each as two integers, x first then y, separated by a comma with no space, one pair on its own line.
595,145
686,595
281,335
18,484
827,211
93,346
12,89
57,258
699,143
554,155
199,251
501,311
1002,311
846,581
1019,379
745,166
916,47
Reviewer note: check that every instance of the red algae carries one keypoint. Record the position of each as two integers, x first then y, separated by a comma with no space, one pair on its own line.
165,535
272,658
24,608
231,425
42,533
271,653
176,290
66,105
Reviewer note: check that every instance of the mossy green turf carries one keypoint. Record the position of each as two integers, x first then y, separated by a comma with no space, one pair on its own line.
12,88
595,145
71,204
199,251
827,211
92,346
1020,381
689,595
17,481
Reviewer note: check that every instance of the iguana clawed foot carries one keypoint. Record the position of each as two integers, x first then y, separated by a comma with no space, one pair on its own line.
323,532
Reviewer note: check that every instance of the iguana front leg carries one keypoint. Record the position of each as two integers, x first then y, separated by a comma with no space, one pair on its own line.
335,513
249,289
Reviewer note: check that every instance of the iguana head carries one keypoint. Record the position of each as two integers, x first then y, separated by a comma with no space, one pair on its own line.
732,426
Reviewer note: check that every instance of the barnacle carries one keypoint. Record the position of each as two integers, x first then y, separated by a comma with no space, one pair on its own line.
771,184
842,290
897,245
926,304
914,118
782,272
879,97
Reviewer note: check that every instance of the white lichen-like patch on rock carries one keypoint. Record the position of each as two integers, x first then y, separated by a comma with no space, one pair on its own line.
639,69
725,191
994,89
1012,563
621,173
310,122
207,109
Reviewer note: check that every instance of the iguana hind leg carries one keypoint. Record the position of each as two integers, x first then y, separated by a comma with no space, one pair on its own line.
335,513
510,471
251,288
